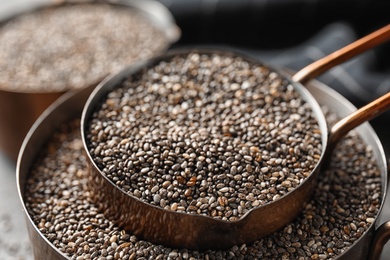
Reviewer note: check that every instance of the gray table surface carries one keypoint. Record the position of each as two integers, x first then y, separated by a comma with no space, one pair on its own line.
14,242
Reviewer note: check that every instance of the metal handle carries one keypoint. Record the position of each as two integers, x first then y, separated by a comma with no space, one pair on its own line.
318,67
381,236
365,113
368,112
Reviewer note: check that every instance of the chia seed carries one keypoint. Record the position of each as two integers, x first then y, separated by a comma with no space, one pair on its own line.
73,46
58,202
216,126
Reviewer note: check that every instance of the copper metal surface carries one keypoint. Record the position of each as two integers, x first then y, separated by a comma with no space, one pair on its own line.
18,111
199,231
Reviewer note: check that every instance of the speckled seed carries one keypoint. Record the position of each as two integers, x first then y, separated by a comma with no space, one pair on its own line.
221,134
57,35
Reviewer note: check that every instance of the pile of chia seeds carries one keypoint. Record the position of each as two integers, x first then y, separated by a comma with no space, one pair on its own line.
208,134
73,46
344,205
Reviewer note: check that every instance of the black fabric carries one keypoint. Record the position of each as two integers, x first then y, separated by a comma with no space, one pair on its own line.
271,23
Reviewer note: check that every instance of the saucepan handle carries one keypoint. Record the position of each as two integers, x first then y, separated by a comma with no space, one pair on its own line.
344,54
381,236
363,114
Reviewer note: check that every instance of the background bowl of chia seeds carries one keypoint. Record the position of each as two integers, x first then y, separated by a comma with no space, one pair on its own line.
211,141
64,222
50,47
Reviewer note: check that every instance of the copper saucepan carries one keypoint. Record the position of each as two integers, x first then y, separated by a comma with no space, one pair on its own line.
159,225
70,106
19,108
